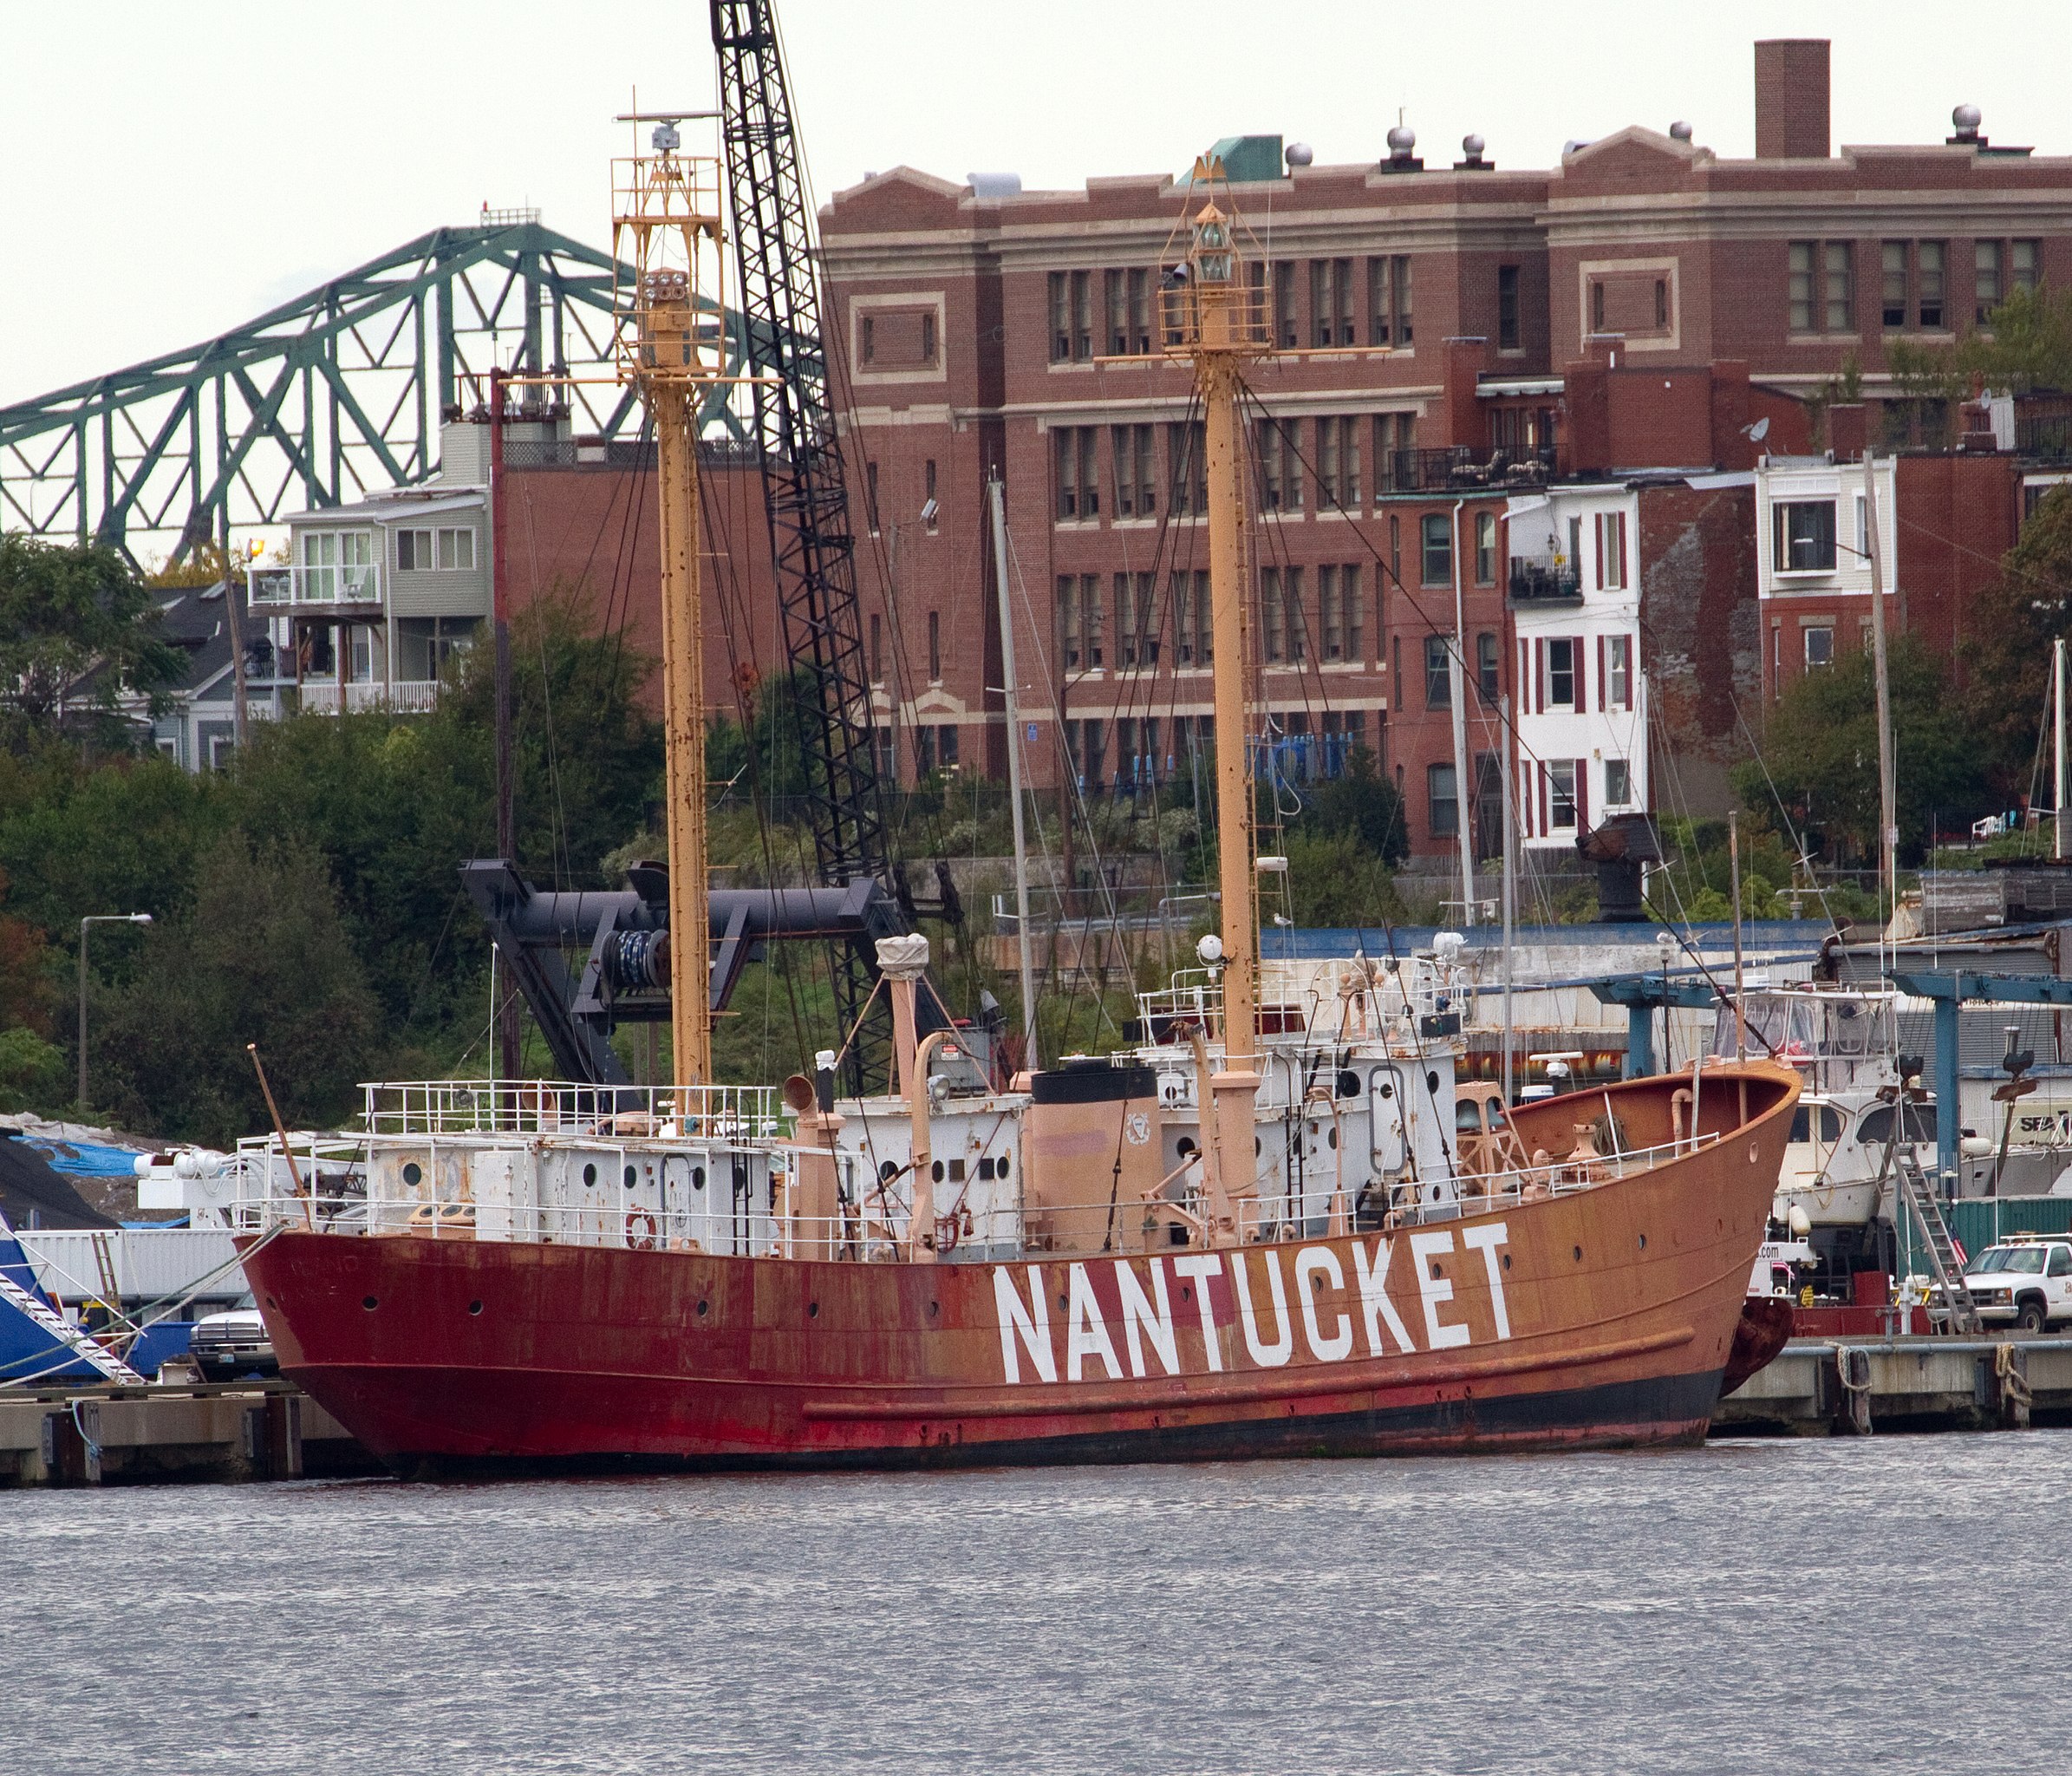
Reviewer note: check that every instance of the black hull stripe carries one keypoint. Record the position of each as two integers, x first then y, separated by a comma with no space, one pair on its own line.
1669,1409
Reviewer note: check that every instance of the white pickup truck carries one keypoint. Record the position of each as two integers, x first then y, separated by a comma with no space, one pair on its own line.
2025,1281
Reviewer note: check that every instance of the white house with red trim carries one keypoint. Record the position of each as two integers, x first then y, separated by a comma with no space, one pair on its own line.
1581,719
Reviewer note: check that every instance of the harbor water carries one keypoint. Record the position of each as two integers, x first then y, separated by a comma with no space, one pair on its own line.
1895,1603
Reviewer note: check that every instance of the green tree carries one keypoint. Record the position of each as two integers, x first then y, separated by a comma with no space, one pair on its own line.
1363,805
1820,744
2013,625
262,956
78,631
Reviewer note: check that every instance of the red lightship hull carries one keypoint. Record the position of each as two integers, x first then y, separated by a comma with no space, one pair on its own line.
1602,1317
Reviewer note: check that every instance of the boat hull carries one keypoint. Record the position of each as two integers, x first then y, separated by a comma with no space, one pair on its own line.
1598,1318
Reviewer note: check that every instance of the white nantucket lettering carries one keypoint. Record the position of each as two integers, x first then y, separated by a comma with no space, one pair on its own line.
1435,1291
1198,1267
1141,1319
1311,1262
1031,1325
1486,1240
1267,1357
1374,1303
1087,1332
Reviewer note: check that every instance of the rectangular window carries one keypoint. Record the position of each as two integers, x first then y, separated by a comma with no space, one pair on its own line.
1403,301
1082,316
1929,262
946,746
1618,783
1801,286
1297,616
1287,325
1561,674
934,647
871,496
1661,304
1436,566
1349,595
1485,548
930,511
1060,318
2028,256
1802,535
1442,801
1328,496
1071,640
1560,783
928,336
1893,279
1186,455
1116,289
1396,548
1389,301
870,339
1611,552
1140,311
877,648
1135,490
1507,308
1078,449
1619,672
1273,620
1438,674
1330,614
1331,302
413,550
1280,467
1985,258
1820,646
1091,616
1485,666
887,764
1841,282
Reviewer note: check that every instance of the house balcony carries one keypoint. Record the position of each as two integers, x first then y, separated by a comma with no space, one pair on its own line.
351,590
1543,585
1463,469
406,697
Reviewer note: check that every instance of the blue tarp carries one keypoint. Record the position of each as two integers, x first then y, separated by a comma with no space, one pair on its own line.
86,1159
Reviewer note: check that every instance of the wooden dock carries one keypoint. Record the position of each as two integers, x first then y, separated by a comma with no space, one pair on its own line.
157,1434
1849,1387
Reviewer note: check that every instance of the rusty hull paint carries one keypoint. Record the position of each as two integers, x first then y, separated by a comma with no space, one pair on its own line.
580,1357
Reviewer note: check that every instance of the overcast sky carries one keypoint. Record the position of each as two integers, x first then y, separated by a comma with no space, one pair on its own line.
169,170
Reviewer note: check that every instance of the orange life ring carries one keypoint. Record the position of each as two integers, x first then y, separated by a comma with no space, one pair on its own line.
642,1242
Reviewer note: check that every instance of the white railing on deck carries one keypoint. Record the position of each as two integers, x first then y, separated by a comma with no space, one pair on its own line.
450,1106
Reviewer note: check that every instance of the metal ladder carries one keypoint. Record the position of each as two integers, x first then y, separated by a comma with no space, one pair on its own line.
67,1333
1959,1312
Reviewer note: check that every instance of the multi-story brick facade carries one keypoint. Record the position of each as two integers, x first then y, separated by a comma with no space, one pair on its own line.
1469,330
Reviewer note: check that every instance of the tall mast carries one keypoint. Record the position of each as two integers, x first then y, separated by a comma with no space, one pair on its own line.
1220,332
1888,821
1456,676
2057,702
666,244
996,495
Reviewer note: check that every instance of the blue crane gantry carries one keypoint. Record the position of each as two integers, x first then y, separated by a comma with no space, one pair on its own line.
325,399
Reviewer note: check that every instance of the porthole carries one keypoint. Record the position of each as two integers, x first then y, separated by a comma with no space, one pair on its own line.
632,1178
414,1174
1506,1260
697,1177
935,1171
701,1308
935,1308
1348,1083
812,1310
887,1172
999,1166
370,1301
474,1307
1256,1149
1432,1082
1435,1272
1644,1242
590,1174
1579,1255
1334,1137
1385,1089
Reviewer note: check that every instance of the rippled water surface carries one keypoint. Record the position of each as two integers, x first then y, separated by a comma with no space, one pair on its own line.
1748,1606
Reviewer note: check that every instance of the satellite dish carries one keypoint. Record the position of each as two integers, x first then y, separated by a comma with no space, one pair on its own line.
1759,431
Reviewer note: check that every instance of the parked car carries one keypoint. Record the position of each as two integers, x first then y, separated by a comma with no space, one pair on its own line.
2025,1282
229,1345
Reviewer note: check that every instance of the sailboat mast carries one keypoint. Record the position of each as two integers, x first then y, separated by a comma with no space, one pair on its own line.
1888,820
1456,676
1011,696
2057,700
666,235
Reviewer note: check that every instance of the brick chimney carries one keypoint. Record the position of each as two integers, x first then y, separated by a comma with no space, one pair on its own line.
1791,99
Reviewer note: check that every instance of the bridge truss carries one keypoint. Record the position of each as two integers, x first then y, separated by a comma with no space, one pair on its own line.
326,399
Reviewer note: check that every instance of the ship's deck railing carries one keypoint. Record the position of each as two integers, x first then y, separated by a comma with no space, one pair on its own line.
562,1108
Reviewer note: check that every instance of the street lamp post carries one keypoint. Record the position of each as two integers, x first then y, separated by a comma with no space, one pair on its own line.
98,919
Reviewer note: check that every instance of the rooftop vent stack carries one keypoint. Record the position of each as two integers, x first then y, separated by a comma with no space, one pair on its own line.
1791,99
1679,131
1299,154
1965,120
1403,142
1471,160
